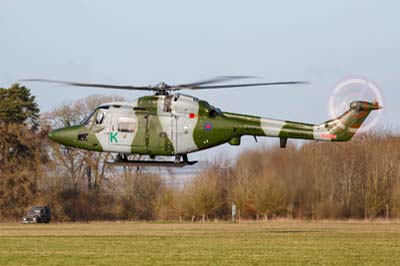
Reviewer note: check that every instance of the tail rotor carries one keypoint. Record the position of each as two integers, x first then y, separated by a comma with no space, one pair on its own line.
356,89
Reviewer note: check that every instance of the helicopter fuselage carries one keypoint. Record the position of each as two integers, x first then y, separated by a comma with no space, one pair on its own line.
178,124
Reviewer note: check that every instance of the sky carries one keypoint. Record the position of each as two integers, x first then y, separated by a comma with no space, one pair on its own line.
146,42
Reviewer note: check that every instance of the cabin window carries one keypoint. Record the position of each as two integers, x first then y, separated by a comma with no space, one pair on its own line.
126,124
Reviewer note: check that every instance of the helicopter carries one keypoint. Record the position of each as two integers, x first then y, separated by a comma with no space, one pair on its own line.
172,124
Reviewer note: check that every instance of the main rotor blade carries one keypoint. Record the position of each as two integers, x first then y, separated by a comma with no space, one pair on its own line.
94,85
165,87
241,85
213,80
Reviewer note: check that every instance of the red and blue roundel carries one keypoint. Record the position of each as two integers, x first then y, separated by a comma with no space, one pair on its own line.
208,126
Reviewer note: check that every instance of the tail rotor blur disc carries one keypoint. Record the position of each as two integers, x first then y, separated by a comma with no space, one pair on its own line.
356,89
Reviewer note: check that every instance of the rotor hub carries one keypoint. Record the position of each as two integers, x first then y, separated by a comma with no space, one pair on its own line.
162,86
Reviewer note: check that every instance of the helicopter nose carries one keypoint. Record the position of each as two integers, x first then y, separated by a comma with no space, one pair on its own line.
66,135
55,135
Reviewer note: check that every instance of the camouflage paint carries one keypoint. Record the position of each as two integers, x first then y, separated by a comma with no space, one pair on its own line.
180,124
69,137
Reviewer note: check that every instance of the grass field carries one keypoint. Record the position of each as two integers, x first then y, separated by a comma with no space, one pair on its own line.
250,243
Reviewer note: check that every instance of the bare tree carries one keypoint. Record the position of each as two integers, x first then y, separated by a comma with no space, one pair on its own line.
268,195
240,193
204,192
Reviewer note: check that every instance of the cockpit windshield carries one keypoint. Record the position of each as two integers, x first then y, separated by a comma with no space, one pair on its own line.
88,120
97,115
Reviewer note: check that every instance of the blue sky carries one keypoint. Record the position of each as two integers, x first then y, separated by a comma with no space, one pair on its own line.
145,42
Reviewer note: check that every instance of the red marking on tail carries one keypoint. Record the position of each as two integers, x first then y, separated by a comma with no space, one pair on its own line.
329,136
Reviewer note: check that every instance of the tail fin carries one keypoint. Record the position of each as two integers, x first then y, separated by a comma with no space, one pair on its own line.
345,126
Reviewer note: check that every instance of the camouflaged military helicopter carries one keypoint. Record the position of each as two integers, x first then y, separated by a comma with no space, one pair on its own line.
175,124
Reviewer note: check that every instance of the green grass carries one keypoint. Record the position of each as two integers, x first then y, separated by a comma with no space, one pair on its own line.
262,243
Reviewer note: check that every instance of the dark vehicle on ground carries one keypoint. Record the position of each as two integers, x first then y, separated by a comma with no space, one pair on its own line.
37,214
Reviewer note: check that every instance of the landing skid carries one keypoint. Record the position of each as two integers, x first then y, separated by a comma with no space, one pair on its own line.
151,163
123,160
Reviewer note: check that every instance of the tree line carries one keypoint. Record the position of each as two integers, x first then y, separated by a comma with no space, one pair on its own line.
357,179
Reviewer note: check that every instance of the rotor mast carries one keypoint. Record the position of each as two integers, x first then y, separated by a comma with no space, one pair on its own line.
162,89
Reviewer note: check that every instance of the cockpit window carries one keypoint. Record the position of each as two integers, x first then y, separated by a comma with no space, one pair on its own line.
88,120
97,115
100,117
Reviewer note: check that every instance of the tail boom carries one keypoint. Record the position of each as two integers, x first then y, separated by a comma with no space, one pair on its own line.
342,128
